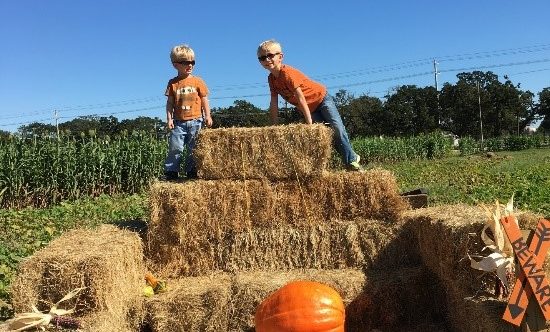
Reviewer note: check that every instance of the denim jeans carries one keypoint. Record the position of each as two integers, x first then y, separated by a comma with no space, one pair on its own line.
183,135
327,112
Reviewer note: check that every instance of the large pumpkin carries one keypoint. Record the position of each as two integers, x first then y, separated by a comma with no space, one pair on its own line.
301,306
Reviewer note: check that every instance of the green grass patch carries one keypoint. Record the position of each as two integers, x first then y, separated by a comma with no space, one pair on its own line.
479,178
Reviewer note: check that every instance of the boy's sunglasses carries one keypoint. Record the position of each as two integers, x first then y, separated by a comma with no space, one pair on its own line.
267,56
185,62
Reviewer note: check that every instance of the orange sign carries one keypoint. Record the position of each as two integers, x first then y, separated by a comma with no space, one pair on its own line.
532,279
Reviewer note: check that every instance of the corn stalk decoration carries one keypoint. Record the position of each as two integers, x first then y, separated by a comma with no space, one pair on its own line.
501,260
37,319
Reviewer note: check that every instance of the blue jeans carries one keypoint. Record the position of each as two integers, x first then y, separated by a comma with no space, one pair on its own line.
183,135
327,112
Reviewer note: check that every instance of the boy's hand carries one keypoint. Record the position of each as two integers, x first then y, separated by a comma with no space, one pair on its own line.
170,124
208,121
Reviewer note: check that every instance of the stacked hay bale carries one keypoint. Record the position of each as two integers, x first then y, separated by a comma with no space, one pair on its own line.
446,234
267,211
107,262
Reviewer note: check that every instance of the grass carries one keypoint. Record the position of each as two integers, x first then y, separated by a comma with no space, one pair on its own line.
472,179
479,178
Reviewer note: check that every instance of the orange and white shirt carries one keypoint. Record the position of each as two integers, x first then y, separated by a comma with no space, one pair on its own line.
187,93
289,79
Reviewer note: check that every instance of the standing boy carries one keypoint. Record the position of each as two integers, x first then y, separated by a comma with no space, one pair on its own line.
186,109
310,97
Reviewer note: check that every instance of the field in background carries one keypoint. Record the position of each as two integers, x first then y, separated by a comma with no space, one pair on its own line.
468,179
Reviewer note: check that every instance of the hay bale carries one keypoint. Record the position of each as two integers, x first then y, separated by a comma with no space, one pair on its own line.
383,299
339,244
402,299
251,288
276,152
216,206
107,261
191,304
445,235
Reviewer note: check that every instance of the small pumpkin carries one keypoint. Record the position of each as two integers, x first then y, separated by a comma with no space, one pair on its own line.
301,306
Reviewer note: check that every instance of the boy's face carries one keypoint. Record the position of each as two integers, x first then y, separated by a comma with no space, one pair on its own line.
185,65
271,58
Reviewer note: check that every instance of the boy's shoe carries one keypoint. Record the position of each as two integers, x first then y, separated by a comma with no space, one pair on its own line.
355,166
192,175
171,176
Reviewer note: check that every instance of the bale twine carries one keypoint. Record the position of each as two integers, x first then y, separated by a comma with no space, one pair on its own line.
276,152
107,261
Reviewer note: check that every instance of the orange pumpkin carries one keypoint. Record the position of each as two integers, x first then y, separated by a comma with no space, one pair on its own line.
301,306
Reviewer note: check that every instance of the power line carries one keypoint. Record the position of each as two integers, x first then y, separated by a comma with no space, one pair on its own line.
72,117
373,70
495,66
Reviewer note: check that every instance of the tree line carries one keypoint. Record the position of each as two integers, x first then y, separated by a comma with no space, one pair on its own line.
478,103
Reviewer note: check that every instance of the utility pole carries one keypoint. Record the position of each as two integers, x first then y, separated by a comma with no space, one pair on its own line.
480,118
519,110
436,73
56,116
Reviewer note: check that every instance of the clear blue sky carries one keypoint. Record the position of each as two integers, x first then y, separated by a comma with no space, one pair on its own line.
111,57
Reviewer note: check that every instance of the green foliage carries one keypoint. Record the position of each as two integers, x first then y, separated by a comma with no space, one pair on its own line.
474,179
44,171
468,145
430,146
241,114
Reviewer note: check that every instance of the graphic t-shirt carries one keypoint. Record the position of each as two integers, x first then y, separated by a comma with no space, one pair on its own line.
187,93
287,82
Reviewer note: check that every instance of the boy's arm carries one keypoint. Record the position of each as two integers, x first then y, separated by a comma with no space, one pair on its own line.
170,112
274,109
302,105
206,108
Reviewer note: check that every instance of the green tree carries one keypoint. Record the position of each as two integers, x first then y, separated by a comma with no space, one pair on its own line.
4,135
37,129
411,111
91,124
364,116
142,123
83,124
342,98
543,109
241,114
505,109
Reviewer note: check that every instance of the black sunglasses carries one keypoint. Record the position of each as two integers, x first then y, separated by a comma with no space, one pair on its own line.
267,56
185,62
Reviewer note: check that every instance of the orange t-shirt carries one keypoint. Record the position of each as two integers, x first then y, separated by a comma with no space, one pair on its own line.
287,82
187,93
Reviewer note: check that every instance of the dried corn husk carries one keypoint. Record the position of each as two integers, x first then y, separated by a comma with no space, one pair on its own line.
37,319
501,260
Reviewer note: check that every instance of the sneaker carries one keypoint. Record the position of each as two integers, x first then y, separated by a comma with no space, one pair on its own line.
192,175
171,176
355,166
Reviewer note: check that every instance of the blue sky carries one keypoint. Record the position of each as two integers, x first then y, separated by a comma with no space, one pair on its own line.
111,57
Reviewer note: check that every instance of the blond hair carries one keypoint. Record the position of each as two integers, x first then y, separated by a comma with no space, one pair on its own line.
269,45
182,52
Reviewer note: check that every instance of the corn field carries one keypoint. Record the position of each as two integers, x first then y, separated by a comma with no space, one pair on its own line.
432,146
43,171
